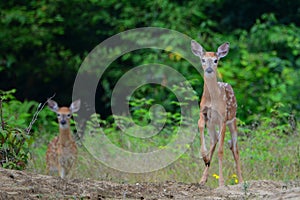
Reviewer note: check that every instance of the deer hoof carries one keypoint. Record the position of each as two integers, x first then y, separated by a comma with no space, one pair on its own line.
206,161
207,164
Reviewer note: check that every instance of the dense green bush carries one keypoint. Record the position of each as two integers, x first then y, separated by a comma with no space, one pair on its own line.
266,148
14,139
18,133
264,67
43,44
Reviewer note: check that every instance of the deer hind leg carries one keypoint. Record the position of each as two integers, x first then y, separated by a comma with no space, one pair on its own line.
51,163
222,131
51,169
52,158
234,148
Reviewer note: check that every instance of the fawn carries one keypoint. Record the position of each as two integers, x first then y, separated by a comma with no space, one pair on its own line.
217,109
62,150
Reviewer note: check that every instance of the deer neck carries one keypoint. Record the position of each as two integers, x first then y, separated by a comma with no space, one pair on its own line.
214,97
65,136
211,90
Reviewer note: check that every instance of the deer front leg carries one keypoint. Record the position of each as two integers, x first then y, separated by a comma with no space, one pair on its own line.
62,167
209,155
205,172
62,173
222,131
201,125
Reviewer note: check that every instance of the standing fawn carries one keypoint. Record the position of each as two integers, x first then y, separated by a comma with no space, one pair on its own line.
217,109
62,150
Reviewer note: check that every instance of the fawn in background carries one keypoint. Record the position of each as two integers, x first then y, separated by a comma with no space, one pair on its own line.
62,150
217,109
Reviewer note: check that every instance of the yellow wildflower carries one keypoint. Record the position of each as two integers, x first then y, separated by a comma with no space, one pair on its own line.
216,176
234,179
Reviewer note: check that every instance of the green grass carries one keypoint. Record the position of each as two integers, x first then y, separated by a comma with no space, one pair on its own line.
269,148
264,154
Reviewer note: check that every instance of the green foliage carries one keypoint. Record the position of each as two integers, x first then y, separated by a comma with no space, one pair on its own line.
14,140
269,149
43,44
237,15
263,63
263,68
273,143
131,136
18,132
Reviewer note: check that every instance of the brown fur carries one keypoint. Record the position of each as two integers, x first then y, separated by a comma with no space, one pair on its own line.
62,150
217,109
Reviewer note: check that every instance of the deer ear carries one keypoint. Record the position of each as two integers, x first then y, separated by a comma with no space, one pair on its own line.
197,49
75,106
223,50
53,105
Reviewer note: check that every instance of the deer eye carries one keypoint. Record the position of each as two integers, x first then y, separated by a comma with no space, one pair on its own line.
203,60
58,115
216,61
68,115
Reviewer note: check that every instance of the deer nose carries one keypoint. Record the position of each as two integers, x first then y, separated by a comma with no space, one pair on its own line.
63,122
209,70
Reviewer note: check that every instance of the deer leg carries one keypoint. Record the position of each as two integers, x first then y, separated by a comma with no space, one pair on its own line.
222,131
62,169
201,125
213,142
234,148
62,172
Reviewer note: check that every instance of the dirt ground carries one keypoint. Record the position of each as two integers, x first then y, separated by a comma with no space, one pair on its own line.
23,185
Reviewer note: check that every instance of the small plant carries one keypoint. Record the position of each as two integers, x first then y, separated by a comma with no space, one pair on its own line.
216,176
246,186
233,179
14,151
15,136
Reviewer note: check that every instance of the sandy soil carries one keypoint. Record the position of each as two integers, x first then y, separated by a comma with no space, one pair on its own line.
23,185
